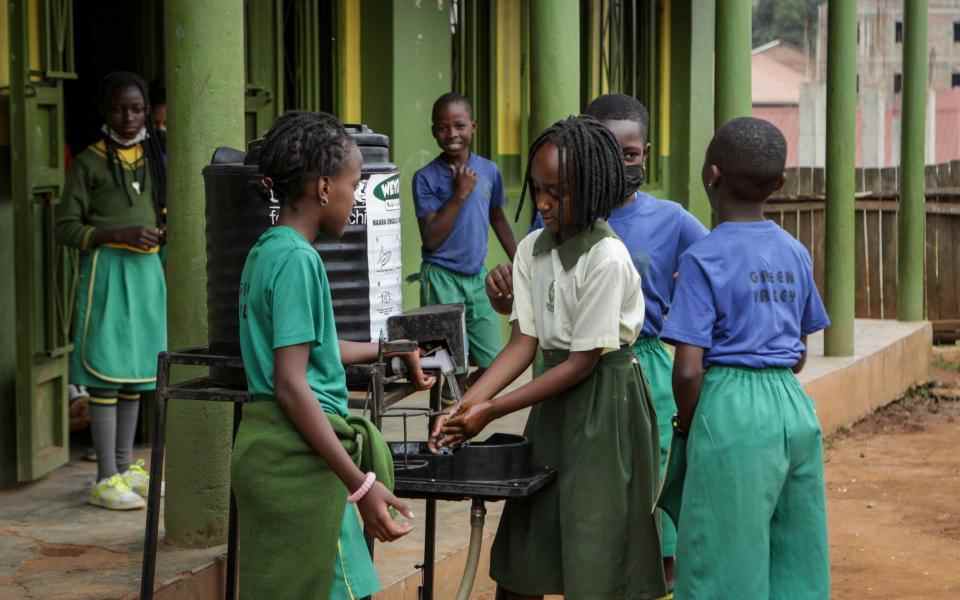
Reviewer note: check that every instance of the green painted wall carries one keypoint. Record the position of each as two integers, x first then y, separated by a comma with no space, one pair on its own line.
406,66
8,349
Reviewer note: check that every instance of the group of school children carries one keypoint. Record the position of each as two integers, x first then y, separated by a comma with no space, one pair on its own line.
721,437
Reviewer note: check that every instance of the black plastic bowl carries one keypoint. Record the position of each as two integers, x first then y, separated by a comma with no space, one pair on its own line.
501,457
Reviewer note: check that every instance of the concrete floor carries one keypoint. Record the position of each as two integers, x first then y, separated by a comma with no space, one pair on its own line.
55,547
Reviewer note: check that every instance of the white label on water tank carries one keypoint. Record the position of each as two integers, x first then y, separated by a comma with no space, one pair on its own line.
381,194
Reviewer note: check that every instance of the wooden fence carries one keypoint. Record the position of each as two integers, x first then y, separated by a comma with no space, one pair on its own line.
799,208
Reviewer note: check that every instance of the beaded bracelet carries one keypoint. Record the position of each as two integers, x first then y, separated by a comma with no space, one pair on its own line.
358,495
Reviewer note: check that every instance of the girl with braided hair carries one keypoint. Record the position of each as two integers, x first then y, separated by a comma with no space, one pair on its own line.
112,210
577,296
302,465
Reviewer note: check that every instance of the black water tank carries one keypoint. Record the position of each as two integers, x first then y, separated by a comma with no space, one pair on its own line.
363,266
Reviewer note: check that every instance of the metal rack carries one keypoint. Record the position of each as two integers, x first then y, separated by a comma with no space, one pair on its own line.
382,392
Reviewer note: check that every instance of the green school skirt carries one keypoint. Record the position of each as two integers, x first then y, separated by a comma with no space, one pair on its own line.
120,320
592,535
657,367
298,536
443,286
748,485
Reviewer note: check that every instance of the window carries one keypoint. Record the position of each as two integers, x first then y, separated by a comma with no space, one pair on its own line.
858,83
897,83
858,33
955,80
898,32
956,31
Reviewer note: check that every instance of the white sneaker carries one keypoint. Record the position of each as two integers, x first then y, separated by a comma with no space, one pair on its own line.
114,493
137,479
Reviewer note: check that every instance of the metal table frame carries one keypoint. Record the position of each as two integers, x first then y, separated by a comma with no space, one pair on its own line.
382,392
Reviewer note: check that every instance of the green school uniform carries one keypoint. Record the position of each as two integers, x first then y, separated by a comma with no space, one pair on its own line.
443,286
300,538
593,534
776,471
657,367
120,317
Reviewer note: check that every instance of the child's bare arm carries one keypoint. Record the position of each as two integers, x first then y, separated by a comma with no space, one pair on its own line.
352,353
435,228
512,361
297,401
687,381
472,417
803,357
501,226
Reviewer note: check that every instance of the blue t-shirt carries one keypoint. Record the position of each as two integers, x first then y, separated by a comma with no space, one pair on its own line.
656,232
465,248
746,294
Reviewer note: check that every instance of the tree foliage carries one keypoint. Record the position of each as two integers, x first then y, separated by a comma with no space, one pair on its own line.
785,20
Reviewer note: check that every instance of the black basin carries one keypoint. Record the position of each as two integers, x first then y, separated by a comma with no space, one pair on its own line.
501,457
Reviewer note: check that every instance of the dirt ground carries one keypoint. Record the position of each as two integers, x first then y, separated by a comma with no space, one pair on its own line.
893,494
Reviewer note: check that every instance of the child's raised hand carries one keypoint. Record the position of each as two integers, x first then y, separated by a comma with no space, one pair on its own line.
375,511
464,179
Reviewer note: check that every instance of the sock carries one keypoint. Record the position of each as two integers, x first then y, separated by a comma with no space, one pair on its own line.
127,409
103,427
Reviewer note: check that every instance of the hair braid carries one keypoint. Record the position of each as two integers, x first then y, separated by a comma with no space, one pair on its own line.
591,167
301,145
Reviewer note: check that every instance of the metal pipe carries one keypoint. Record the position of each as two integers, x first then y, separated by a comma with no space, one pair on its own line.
841,156
430,527
230,589
478,514
157,442
912,194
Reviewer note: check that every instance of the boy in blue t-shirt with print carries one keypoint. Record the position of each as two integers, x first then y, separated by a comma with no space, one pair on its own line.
458,196
656,232
752,520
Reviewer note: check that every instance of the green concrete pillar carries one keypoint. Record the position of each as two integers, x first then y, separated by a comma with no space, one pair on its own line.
205,87
692,36
554,62
912,217
841,156
733,60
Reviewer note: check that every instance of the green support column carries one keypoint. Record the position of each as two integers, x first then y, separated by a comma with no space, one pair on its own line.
692,36
205,85
912,218
554,62
733,59
841,156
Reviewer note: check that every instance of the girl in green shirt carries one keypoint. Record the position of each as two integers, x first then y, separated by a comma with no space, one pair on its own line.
295,460
112,211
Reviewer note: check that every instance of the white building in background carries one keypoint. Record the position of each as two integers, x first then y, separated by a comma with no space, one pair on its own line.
880,79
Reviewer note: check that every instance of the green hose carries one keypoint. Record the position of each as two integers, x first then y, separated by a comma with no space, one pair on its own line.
478,514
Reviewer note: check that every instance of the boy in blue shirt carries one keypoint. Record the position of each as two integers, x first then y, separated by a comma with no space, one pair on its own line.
752,521
656,232
457,196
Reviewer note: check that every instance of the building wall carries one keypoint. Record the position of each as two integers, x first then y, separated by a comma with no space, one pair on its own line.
787,118
880,56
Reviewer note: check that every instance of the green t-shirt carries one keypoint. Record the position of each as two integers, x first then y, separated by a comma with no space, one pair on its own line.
285,301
